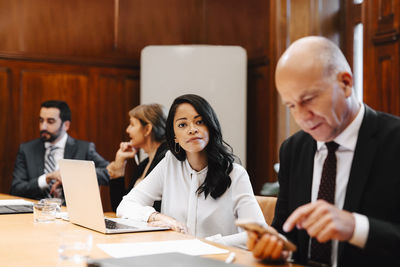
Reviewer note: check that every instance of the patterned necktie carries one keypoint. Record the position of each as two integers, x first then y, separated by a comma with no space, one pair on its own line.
50,162
50,166
321,252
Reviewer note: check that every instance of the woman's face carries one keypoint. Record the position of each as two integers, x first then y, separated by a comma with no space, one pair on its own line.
190,131
136,132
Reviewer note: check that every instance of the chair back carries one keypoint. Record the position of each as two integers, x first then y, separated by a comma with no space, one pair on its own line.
267,205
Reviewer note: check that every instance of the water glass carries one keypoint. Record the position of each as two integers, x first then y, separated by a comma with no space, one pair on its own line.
44,212
74,248
56,201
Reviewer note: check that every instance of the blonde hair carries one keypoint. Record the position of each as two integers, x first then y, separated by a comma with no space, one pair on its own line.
155,115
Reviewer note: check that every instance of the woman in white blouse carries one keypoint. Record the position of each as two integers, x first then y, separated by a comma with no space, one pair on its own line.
203,191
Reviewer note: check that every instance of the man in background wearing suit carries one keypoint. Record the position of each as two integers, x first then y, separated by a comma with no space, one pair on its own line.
36,173
361,226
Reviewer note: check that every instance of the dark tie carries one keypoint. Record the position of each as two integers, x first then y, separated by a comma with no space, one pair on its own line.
321,252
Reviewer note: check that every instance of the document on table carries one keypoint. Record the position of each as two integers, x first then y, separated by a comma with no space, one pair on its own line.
192,247
15,202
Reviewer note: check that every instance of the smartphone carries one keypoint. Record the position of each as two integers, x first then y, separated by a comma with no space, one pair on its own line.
262,229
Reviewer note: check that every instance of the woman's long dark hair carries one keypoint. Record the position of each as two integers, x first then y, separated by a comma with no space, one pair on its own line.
219,153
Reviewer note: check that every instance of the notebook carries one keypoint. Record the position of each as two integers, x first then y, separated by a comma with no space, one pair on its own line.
12,206
165,260
83,200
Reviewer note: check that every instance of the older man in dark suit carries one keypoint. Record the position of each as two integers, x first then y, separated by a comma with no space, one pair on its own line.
36,173
346,151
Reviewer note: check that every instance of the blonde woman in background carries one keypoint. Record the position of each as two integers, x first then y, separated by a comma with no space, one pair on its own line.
146,130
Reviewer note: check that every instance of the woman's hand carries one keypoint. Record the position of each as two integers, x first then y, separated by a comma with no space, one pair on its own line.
161,220
117,168
125,151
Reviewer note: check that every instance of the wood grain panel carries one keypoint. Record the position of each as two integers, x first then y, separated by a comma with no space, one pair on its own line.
113,99
351,17
38,86
386,96
381,55
157,22
7,129
261,129
238,22
57,28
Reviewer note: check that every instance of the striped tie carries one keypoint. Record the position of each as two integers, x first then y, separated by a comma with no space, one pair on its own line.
50,163
50,166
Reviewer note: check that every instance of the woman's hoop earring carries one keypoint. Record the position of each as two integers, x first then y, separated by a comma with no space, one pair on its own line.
177,148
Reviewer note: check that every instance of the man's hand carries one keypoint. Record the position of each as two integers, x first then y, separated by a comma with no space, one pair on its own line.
322,221
56,178
266,246
53,176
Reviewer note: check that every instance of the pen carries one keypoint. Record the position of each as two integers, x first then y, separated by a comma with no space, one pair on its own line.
230,258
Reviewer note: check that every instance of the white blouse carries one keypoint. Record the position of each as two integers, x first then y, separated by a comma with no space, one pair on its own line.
176,183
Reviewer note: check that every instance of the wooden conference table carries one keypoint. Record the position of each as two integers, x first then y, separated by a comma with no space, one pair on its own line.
25,243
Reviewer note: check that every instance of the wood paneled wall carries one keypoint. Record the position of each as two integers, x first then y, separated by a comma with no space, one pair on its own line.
381,21
88,53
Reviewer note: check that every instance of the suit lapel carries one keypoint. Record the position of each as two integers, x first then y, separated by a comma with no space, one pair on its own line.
70,148
362,161
305,168
39,156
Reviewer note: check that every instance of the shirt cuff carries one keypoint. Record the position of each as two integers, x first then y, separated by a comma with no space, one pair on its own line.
42,182
147,212
361,230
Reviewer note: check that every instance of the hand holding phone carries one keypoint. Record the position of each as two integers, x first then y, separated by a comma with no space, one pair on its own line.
262,229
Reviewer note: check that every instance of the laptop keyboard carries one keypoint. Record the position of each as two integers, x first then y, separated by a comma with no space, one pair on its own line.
15,209
114,225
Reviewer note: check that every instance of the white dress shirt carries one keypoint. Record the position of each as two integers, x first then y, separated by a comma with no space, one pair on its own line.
347,141
176,183
58,154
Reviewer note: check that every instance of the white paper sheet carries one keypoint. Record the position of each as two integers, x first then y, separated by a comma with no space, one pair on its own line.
193,247
9,202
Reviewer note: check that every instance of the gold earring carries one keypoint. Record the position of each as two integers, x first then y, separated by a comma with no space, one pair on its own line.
177,150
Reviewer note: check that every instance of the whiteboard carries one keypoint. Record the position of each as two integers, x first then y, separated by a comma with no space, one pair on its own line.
216,73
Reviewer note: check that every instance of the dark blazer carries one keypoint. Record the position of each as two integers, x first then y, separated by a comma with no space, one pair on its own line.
117,186
29,165
373,190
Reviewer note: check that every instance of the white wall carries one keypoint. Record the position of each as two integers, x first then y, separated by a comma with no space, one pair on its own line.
217,73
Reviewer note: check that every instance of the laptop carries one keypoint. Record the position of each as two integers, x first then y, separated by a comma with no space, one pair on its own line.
13,206
83,200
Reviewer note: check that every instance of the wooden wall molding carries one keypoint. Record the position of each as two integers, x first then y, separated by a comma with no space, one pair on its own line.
385,31
382,38
104,61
